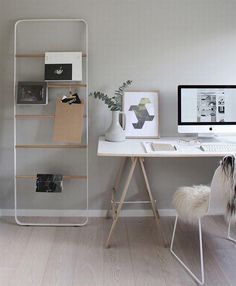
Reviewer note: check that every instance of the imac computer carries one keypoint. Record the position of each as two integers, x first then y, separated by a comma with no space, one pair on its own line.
207,109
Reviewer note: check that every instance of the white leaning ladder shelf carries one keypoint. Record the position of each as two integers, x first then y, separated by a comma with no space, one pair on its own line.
83,215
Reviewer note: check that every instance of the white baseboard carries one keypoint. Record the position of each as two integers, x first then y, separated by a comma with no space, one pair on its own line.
75,213
91,213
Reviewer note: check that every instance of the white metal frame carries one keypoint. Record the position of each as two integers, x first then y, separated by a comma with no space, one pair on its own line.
200,281
15,63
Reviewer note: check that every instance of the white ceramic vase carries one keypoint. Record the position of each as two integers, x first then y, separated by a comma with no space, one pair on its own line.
115,133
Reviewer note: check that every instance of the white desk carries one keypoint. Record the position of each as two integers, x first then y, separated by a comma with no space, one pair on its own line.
133,149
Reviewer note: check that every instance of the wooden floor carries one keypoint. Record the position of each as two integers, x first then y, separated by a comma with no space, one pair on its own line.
50,256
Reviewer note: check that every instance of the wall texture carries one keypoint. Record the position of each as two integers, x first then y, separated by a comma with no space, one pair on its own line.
156,43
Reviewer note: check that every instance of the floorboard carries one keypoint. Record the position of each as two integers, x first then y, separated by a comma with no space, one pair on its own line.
74,256
118,268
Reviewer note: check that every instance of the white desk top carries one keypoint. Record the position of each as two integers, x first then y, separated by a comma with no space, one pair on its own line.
135,148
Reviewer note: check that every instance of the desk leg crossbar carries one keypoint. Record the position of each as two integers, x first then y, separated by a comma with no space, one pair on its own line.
117,206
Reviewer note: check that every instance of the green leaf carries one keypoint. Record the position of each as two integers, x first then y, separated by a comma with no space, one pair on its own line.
114,102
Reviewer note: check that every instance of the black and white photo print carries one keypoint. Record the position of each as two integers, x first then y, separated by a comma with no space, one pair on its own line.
61,72
32,92
63,66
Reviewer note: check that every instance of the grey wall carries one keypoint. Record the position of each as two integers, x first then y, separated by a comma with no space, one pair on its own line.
156,43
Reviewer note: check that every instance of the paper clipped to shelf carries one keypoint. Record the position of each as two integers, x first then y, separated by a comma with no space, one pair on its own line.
153,147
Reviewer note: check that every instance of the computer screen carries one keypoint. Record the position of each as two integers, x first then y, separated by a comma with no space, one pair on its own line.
207,105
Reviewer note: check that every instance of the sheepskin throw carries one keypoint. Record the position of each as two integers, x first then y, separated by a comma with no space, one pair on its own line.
229,171
191,203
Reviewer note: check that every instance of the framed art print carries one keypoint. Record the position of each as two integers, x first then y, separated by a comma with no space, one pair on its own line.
142,114
32,92
63,66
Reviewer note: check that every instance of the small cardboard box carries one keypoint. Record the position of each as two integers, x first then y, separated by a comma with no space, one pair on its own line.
68,124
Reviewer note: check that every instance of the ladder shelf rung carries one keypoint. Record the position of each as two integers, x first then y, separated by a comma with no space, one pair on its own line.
31,177
50,146
65,85
36,116
37,55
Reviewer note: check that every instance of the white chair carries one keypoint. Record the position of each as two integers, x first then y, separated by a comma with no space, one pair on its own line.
193,203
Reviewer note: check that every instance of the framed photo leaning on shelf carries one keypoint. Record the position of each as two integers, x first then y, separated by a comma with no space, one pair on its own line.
63,66
29,92
142,114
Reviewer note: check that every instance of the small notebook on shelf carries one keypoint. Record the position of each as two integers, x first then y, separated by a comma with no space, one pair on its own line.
162,147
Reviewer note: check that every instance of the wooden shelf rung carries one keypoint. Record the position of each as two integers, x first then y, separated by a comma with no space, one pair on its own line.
30,177
36,116
37,55
45,146
31,116
66,85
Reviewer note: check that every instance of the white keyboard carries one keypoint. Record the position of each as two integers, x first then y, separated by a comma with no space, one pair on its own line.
219,148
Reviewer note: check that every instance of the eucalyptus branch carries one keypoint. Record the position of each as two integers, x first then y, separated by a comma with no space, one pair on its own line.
114,103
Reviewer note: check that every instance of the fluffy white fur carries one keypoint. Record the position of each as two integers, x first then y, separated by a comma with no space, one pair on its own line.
192,203
223,184
228,182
